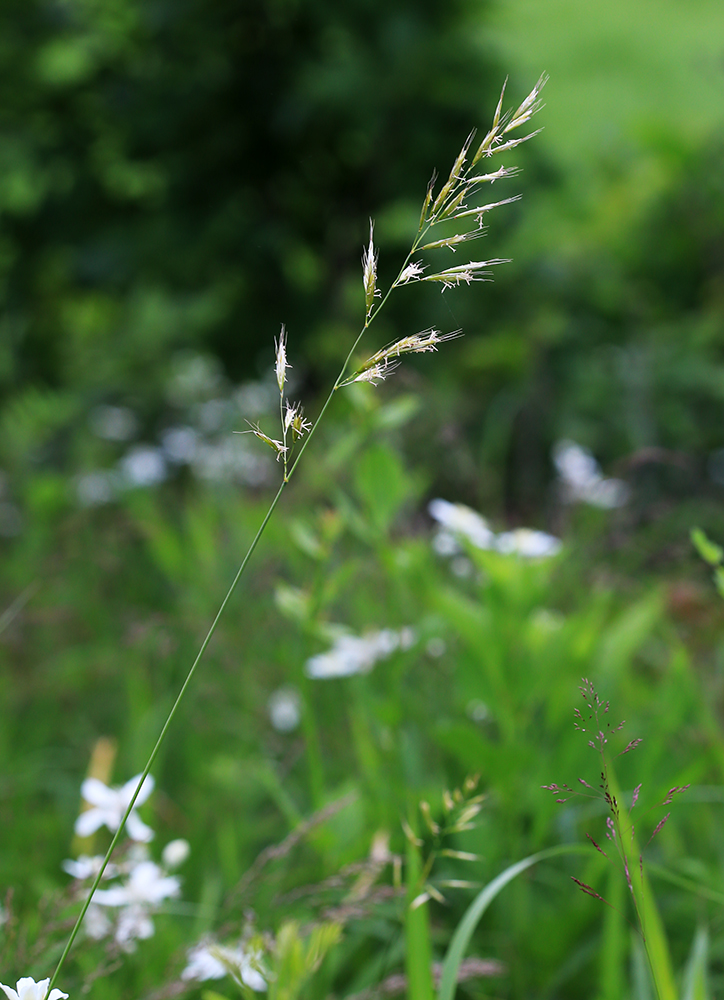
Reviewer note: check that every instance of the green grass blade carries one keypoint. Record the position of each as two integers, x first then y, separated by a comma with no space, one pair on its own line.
479,905
695,985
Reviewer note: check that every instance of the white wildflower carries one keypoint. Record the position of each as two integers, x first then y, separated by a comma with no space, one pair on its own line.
28,989
457,519
285,710
147,885
110,804
134,924
352,654
175,853
528,543
581,478
96,923
85,867
209,960
143,466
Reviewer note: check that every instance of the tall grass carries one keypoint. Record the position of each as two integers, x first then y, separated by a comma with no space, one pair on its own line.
450,206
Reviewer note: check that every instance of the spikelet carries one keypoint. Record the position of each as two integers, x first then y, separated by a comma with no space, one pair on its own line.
281,363
369,274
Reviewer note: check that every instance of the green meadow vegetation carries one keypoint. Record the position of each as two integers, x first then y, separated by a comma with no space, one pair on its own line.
401,766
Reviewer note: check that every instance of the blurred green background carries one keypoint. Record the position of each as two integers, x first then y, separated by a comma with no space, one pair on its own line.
179,179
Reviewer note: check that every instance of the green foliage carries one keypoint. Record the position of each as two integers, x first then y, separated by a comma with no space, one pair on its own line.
486,687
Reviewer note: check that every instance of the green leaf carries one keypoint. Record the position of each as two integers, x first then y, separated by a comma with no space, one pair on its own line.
383,484
708,550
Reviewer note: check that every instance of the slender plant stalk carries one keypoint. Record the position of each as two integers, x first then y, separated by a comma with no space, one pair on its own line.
418,945
447,206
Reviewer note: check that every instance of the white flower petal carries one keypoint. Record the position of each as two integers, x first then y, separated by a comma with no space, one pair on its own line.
94,791
127,790
137,829
175,853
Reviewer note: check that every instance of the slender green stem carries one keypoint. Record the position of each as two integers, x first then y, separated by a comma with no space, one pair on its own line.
425,224
166,726
288,473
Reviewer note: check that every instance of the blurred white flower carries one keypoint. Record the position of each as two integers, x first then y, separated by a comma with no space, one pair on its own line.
28,989
203,963
147,884
114,423
529,543
581,478
179,444
97,487
96,923
285,710
457,519
212,415
209,960
143,466
352,654
175,853
109,805
194,377
88,867
256,398
230,460
134,924
146,887
435,647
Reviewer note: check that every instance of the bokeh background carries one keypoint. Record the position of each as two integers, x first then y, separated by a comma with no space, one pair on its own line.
179,179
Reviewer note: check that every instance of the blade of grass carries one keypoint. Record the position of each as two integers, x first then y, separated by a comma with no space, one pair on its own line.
466,927
615,939
695,986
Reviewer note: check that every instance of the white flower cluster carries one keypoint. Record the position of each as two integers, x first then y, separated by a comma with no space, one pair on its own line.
354,654
210,960
581,479
458,521
124,909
